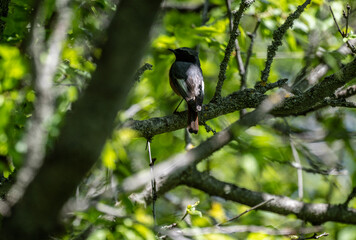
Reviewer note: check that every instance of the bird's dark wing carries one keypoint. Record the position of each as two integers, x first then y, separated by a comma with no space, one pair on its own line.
178,76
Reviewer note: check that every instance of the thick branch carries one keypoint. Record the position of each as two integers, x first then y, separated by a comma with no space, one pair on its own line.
316,213
192,232
250,98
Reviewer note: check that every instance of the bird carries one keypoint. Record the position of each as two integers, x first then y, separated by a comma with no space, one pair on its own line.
186,80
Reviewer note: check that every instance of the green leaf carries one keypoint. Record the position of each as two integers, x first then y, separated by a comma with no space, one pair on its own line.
192,211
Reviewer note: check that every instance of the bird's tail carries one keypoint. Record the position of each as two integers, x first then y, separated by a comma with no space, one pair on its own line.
193,121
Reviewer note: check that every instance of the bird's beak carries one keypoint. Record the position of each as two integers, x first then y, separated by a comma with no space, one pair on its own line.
172,50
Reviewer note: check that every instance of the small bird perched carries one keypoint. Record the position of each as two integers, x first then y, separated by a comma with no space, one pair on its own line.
186,80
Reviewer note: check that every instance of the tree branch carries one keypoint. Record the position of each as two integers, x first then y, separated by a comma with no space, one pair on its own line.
250,98
240,64
191,232
244,212
316,213
252,37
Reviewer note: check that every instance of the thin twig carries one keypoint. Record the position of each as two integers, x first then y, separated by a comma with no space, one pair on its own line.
327,172
205,12
208,128
175,110
240,64
299,170
243,213
342,33
153,181
315,236
277,39
346,16
188,140
229,48
337,25
191,232
333,102
249,53
350,197
269,86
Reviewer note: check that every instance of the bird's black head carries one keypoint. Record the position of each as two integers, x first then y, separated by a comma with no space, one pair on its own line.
186,54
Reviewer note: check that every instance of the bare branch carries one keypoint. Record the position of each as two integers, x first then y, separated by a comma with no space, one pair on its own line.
337,25
252,37
192,232
331,172
315,236
333,103
277,39
243,213
205,12
350,197
153,181
342,33
240,64
316,213
299,170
